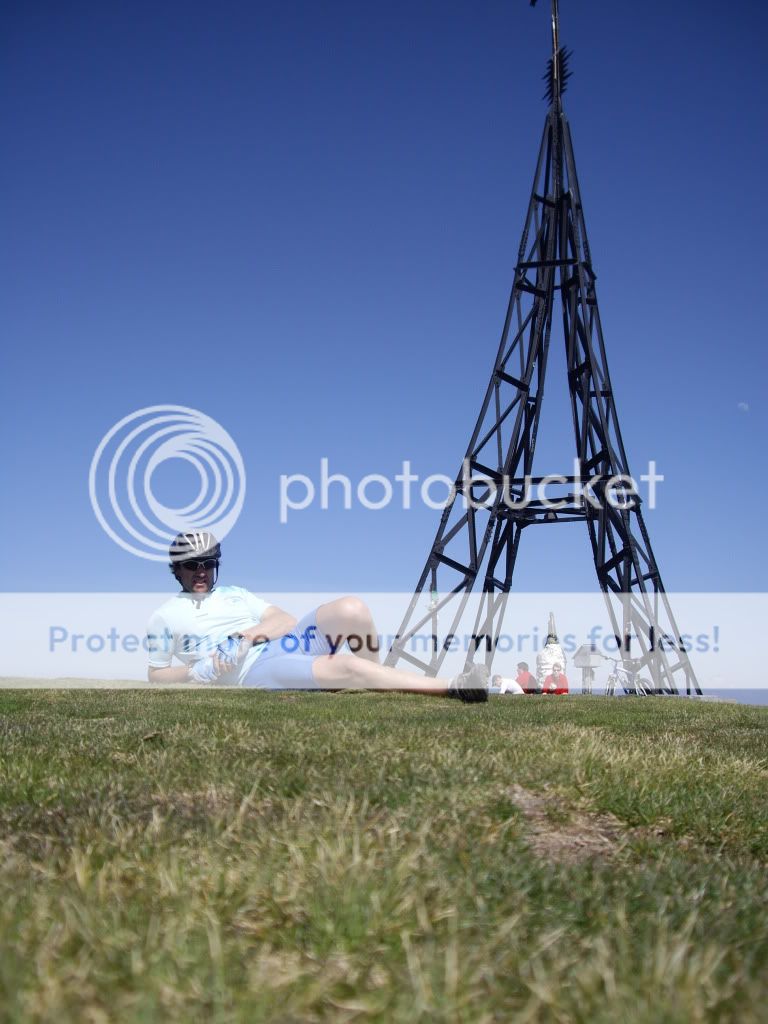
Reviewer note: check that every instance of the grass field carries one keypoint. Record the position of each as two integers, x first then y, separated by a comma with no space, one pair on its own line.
235,856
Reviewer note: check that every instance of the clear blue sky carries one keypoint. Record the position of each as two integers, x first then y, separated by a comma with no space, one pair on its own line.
303,218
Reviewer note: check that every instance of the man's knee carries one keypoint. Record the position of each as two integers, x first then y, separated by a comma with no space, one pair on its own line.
351,611
338,668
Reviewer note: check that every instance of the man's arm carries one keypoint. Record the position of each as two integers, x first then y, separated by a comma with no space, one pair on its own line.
274,624
160,645
172,674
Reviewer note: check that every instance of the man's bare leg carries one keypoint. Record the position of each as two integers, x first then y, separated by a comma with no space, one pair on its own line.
349,620
344,671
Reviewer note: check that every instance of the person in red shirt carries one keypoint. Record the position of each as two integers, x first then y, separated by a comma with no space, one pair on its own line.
525,679
556,682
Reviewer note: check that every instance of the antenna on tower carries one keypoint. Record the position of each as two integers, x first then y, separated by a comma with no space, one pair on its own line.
557,74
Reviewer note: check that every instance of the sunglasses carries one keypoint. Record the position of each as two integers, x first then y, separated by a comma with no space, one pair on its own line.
192,566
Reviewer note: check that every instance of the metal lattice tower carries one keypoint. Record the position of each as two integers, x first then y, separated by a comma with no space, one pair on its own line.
480,528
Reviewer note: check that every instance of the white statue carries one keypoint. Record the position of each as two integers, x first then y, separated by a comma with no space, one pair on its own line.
551,654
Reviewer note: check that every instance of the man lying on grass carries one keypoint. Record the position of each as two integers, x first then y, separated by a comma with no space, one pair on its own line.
227,635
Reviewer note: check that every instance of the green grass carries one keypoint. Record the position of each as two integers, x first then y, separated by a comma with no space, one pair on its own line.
235,856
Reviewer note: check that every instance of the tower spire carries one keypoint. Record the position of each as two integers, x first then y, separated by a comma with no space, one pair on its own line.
557,73
555,29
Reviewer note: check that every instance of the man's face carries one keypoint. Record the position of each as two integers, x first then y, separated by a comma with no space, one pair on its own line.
196,575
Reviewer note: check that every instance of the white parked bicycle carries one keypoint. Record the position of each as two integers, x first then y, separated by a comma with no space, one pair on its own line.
627,679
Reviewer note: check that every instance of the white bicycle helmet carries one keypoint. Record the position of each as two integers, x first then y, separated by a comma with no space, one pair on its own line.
193,544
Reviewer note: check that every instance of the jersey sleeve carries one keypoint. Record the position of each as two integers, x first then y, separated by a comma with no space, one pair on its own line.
159,642
256,605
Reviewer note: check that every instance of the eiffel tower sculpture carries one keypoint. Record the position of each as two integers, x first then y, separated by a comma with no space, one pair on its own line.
492,503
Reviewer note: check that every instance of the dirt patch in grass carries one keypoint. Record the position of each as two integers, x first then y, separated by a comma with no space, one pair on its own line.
564,835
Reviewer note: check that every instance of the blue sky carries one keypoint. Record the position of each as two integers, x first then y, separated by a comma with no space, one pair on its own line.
302,219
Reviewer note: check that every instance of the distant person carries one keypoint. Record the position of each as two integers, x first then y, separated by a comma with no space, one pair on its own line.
510,686
525,680
556,681
226,635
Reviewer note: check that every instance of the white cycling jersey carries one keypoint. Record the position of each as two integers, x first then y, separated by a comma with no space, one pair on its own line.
189,626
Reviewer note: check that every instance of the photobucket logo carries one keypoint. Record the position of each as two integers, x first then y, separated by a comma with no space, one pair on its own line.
120,481
475,490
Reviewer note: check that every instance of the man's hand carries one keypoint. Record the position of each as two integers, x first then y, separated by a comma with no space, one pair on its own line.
230,653
205,670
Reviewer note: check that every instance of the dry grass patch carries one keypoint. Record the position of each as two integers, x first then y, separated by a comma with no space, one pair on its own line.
564,835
